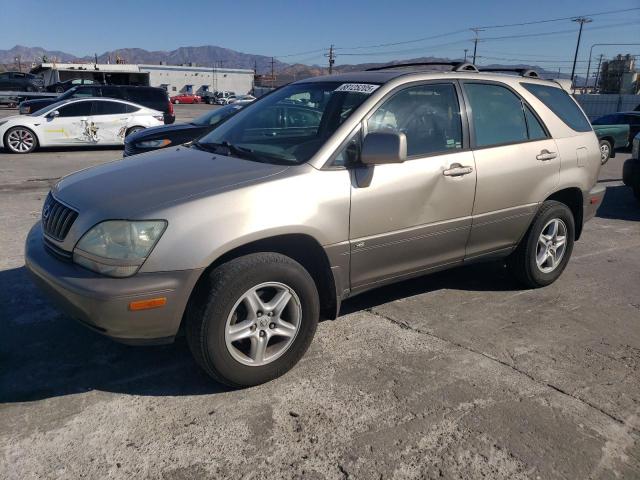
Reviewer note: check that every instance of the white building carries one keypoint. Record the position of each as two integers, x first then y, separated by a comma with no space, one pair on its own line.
175,79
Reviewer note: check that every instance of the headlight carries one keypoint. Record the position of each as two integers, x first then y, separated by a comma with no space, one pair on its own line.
154,143
117,248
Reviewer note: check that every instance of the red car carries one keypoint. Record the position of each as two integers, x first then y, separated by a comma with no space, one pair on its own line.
186,98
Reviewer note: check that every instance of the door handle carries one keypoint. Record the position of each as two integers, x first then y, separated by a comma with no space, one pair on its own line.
545,155
457,170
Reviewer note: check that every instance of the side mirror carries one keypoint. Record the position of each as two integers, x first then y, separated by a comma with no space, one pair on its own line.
53,114
379,148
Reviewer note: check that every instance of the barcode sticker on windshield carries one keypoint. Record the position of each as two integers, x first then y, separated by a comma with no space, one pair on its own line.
357,88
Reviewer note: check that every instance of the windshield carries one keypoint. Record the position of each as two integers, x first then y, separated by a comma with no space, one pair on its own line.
214,117
48,108
289,125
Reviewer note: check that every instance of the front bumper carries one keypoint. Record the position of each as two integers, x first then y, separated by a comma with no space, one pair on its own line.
102,303
592,200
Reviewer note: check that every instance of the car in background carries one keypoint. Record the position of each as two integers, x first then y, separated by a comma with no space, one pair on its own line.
20,82
222,97
631,168
611,138
186,98
151,97
77,122
632,119
177,134
61,87
244,99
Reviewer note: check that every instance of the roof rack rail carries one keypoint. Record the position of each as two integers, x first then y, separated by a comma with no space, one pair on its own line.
456,66
523,72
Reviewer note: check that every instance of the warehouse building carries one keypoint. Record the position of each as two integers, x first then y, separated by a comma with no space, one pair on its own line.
173,78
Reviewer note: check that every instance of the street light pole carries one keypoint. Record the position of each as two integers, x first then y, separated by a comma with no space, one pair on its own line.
581,21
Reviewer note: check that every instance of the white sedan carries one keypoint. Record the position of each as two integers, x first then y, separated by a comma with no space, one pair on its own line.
77,122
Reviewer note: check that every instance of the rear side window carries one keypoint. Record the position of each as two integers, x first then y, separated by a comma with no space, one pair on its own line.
498,117
560,103
109,108
535,128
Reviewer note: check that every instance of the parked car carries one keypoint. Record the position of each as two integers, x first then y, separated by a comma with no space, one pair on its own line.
61,87
244,99
177,134
20,82
208,97
150,97
632,119
631,168
611,138
225,100
92,121
186,98
251,234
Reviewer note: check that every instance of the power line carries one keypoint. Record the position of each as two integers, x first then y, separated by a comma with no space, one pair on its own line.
559,19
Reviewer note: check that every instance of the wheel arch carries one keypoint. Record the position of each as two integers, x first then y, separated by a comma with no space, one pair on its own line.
302,248
572,197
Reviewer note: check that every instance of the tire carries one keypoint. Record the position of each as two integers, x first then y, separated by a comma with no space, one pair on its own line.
133,130
221,300
59,90
523,262
176,102
20,140
605,151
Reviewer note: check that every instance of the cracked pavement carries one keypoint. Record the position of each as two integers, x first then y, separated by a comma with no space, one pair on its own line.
461,374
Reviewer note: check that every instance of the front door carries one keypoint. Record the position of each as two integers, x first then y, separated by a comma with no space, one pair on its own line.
72,125
517,162
411,217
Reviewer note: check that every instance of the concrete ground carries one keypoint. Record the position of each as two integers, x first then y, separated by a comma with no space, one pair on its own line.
461,374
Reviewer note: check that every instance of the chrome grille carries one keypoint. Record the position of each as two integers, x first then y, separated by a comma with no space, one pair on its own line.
57,218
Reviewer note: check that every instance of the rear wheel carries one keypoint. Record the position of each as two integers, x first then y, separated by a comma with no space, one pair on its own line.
20,140
176,101
605,151
544,252
250,320
133,130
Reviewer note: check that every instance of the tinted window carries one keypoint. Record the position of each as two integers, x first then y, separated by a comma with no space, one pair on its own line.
131,108
80,92
109,108
78,109
560,103
534,127
429,116
497,115
113,92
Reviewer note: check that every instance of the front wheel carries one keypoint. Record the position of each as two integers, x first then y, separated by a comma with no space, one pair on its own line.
544,252
20,140
605,151
250,320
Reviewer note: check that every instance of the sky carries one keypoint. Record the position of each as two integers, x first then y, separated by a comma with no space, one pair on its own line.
301,31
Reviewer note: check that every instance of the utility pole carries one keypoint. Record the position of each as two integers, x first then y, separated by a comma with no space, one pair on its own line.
465,54
595,84
581,21
332,58
559,73
272,73
475,42
18,60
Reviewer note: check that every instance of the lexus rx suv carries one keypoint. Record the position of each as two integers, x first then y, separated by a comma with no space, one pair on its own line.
324,189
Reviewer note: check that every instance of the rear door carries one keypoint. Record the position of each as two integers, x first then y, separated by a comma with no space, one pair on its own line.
517,164
109,121
72,126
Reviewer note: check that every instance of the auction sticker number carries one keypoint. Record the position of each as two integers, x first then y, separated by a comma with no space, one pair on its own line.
357,88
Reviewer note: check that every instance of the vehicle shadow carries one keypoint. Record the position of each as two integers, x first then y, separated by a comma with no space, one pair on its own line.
45,354
619,204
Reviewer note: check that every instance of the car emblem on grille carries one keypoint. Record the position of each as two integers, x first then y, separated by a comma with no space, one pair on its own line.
45,212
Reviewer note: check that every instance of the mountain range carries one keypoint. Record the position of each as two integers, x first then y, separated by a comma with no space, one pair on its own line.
210,55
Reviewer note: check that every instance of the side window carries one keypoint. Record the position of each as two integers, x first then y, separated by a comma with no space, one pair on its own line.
77,109
429,116
497,115
131,108
560,103
109,108
535,129
83,92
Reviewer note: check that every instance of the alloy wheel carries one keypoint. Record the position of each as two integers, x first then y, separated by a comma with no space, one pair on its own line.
263,324
552,244
20,140
605,152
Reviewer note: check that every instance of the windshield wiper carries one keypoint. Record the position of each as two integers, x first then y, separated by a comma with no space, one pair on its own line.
229,148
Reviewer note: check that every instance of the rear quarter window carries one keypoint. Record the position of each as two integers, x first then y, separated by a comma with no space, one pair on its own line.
560,103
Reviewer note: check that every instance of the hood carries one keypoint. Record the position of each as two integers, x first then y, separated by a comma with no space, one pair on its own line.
144,183
158,132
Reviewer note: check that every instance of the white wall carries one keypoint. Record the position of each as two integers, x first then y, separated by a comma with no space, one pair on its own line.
177,78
